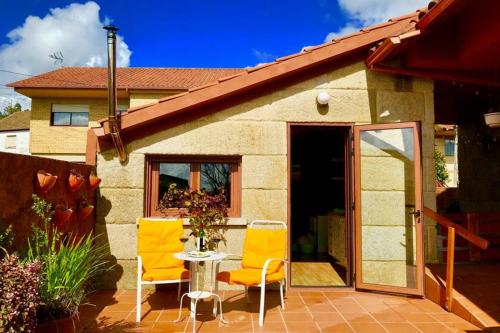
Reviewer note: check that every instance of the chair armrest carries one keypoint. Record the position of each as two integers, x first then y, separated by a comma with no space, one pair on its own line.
266,264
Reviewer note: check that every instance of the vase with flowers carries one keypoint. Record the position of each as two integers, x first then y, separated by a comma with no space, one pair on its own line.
207,213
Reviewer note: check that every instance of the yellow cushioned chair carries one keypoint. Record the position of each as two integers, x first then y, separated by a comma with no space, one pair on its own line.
263,260
157,241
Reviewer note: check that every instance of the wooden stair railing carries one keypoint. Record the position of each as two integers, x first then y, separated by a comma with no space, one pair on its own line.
453,229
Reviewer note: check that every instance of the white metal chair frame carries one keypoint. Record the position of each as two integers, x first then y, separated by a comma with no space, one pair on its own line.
140,282
263,283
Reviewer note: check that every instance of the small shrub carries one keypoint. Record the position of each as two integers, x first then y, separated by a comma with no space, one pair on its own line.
442,175
19,294
6,238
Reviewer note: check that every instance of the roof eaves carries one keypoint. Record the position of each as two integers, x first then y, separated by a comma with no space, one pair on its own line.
436,10
293,62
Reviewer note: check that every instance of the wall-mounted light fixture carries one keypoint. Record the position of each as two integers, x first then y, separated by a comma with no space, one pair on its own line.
323,98
492,118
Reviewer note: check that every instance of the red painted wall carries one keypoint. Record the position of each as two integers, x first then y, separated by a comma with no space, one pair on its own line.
18,181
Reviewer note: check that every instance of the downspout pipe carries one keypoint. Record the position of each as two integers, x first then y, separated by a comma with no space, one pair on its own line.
114,126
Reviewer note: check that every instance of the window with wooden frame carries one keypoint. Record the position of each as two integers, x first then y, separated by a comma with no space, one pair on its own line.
193,172
70,115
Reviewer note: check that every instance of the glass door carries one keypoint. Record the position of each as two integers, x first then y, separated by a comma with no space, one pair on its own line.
388,204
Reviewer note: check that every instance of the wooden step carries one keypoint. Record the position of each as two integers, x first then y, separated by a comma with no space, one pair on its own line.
435,291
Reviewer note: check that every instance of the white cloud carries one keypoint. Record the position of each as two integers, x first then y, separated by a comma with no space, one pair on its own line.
75,31
374,11
263,56
362,13
346,30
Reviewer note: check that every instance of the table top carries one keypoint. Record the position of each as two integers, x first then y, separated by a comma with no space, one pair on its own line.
211,257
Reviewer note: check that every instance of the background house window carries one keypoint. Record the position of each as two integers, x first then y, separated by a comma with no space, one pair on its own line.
70,115
11,141
208,174
449,147
121,108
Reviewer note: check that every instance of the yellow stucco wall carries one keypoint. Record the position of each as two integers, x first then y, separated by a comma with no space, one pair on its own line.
69,143
257,131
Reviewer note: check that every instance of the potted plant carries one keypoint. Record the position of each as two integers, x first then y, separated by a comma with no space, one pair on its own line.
75,180
203,210
492,119
84,210
68,265
94,182
46,181
61,215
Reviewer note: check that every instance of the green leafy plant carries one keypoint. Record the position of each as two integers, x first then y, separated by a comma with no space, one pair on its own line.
204,211
6,238
68,264
40,240
19,294
442,175
66,275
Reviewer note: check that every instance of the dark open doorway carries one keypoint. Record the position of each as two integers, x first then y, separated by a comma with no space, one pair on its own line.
319,197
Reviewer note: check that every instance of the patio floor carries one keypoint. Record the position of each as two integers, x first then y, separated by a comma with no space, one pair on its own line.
310,311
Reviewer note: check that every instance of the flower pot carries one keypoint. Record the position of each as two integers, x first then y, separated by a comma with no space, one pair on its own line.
85,212
75,181
94,181
46,181
492,119
70,324
62,215
172,212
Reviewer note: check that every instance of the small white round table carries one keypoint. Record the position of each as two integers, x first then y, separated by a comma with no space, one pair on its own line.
195,291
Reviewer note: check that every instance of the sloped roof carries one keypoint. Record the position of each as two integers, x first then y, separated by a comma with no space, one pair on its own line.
255,77
126,78
16,121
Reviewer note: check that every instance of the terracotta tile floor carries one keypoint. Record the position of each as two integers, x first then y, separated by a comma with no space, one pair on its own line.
336,311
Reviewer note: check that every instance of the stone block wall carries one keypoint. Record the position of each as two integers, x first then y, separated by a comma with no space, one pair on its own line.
257,131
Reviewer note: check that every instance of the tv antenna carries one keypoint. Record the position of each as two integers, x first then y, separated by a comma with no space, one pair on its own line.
58,58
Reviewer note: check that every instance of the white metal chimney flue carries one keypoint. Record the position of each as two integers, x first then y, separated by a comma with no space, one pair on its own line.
114,126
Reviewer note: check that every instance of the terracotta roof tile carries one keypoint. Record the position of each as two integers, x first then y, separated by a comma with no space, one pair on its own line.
16,121
254,77
129,77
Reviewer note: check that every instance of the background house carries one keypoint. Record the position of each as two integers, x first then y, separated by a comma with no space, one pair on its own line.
68,101
446,144
15,133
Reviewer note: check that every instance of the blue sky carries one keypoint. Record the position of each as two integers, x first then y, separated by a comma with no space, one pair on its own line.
173,33
193,33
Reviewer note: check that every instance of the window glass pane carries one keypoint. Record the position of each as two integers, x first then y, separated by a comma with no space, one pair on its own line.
216,176
61,118
449,147
121,108
171,173
79,118
387,185
10,142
